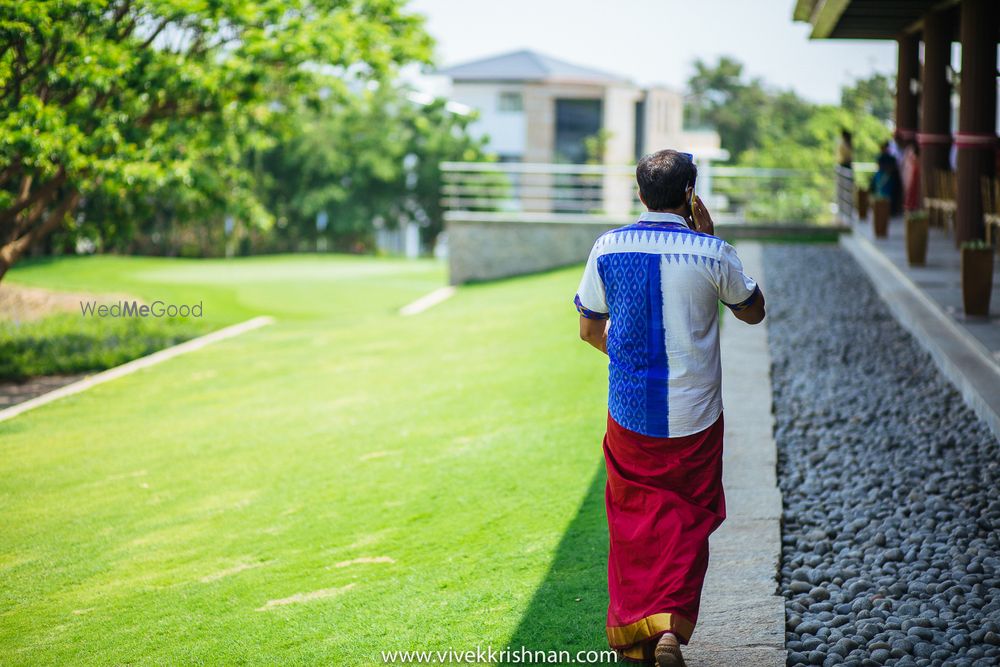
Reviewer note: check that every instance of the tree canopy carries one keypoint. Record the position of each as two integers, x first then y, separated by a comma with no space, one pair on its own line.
765,127
132,96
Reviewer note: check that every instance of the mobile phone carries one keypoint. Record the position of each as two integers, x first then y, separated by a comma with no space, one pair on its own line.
691,222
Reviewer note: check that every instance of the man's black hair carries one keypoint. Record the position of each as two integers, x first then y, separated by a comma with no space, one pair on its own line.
663,177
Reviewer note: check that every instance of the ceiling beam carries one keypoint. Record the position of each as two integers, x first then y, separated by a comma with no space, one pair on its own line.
825,15
803,10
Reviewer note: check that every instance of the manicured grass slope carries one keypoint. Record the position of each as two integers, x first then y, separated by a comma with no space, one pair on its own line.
147,520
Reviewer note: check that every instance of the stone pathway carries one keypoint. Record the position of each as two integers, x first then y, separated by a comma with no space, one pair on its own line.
742,619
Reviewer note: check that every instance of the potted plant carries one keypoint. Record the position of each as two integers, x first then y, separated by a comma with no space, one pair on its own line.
977,277
861,202
917,223
880,216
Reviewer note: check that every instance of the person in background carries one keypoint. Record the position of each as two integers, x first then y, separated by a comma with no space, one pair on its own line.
912,199
886,182
894,147
845,149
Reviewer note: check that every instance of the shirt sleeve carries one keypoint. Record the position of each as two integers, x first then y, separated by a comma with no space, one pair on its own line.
590,299
736,289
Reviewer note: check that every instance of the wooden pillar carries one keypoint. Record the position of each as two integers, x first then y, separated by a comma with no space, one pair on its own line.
976,138
907,69
934,135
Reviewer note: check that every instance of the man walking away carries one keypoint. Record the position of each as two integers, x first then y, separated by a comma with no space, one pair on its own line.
649,300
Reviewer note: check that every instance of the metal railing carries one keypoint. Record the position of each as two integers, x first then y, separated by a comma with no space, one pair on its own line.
848,180
537,192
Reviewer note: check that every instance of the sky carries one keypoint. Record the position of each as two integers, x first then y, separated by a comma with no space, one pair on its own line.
655,41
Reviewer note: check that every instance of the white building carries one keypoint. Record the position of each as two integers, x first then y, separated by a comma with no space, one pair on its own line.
535,108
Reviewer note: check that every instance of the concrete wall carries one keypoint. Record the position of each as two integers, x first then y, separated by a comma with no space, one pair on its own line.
479,250
619,121
489,250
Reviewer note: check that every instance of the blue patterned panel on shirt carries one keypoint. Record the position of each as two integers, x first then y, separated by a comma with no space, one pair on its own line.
638,373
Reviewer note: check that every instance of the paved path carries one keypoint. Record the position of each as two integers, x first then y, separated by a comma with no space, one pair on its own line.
742,620
940,280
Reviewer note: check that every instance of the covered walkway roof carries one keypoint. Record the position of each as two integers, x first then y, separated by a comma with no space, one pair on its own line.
865,19
925,84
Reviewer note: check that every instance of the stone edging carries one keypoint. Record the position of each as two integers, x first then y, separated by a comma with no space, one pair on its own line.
134,365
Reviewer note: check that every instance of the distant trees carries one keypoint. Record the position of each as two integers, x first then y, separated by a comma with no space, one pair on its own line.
873,96
164,112
373,157
764,127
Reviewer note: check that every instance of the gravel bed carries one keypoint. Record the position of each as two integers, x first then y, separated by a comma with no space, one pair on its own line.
890,544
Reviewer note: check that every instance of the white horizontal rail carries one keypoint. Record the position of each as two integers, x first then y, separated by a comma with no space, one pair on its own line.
611,170
536,168
532,191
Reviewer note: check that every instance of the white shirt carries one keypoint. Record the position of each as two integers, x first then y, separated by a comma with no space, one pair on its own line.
660,282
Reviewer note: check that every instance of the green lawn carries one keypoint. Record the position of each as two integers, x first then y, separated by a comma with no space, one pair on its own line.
152,519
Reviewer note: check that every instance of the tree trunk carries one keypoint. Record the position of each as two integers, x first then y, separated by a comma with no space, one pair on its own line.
14,249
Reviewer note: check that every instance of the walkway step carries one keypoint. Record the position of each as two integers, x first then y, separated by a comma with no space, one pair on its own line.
961,357
742,619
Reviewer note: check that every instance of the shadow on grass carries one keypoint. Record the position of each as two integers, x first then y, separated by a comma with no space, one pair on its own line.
569,609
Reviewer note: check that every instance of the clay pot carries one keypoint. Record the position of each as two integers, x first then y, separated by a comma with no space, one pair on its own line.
861,202
977,280
880,217
917,224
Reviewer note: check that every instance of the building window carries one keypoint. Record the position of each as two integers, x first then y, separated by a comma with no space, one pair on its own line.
576,120
511,102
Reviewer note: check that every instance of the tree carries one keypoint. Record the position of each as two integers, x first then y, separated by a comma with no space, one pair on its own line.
768,128
873,97
113,98
721,98
375,155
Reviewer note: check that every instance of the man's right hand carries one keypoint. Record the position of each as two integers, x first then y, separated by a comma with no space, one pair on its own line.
702,218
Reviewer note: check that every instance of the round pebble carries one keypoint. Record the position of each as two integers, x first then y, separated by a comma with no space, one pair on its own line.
891,523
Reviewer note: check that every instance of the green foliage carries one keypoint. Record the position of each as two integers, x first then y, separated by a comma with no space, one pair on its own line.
596,146
766,128
976,244
374,155
69,343
721,97
874,96
163,98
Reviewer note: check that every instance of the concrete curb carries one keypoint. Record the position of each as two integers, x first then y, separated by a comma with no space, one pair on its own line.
134,365
742,618
961,358
427,301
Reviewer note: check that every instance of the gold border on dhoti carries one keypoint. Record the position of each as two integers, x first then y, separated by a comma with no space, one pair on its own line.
626,636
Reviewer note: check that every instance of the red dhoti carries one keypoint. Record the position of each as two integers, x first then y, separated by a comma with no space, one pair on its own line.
664,498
